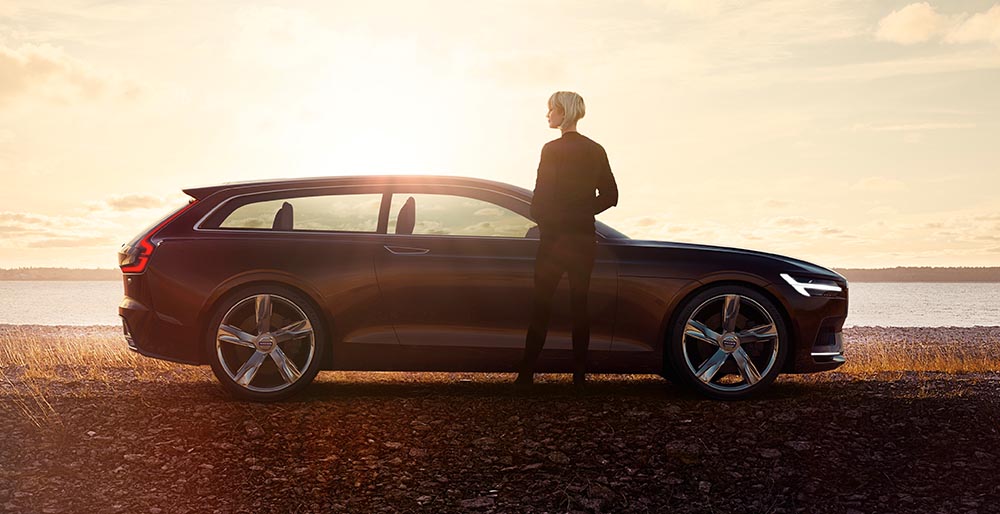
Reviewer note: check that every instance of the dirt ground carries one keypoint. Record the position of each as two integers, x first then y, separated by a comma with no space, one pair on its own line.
888,441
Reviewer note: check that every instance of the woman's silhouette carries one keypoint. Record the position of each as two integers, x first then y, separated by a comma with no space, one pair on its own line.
571,169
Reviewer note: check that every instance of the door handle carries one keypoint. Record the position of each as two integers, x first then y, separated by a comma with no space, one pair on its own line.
406,250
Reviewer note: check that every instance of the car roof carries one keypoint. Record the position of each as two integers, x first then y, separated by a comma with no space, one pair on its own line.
202,192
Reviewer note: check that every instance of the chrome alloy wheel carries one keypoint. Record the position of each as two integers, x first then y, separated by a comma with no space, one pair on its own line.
730,342
254,354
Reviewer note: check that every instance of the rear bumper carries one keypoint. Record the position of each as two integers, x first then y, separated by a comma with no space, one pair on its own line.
152,336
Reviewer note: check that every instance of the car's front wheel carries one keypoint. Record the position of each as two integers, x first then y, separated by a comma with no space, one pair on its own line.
729,342
265,343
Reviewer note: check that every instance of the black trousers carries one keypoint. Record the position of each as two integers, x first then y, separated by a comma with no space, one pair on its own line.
571,254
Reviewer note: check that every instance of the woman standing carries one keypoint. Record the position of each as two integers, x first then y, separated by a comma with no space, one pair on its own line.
571,169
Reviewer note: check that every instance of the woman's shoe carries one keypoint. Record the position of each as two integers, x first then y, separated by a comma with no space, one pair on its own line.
524,379
579,381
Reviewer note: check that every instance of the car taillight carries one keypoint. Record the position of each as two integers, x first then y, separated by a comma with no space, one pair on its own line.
133,259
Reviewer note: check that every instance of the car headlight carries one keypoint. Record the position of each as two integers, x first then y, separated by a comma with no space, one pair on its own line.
813,286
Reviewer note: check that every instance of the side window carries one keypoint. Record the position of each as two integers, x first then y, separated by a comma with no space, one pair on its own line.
452,215
340,213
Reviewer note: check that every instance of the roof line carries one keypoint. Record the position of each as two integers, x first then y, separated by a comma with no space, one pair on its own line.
202,192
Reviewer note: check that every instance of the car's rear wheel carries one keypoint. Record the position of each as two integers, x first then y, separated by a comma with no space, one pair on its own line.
729,342
265,342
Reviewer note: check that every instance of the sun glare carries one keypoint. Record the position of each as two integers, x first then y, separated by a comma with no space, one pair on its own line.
391,113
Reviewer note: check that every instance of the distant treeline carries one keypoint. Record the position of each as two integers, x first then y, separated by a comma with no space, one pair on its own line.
921,274
60,274
898,274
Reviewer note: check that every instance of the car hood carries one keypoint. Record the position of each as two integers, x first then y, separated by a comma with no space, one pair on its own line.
804,266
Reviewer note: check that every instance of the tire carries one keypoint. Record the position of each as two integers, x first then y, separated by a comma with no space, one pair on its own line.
734,362
245,356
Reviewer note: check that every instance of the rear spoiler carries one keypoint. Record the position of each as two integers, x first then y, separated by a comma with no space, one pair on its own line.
200,193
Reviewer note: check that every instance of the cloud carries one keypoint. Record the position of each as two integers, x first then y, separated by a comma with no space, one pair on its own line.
125,203
914,23
31,230
73,242
911,127
878,183
488,211
920,22
791,221
980,27
20,219
46,70
130,202
7,230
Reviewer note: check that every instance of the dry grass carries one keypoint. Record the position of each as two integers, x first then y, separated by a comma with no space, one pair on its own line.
944,349
76,360
90,354
36,361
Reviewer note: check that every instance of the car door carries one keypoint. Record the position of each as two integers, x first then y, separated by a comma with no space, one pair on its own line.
326,238
457,277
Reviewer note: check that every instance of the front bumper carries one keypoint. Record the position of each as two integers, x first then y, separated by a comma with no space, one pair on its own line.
816,329
825,350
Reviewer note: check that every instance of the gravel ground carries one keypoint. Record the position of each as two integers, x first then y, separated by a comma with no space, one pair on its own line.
892,441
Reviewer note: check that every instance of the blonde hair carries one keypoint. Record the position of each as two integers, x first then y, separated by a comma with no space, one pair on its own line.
571,105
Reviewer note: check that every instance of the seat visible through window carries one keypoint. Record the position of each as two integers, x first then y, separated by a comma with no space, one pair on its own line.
407,217
283,218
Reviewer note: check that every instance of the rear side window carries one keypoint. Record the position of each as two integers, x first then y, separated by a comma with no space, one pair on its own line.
339,213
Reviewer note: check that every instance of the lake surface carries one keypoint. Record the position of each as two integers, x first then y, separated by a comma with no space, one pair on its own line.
900,304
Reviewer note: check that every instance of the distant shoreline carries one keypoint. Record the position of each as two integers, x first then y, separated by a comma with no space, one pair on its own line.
921,274
68,274
897,274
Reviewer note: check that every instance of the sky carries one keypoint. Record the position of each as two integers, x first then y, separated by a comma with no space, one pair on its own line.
848,133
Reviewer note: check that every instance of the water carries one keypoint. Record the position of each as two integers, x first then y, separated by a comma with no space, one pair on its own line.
923,304
58,302
901,304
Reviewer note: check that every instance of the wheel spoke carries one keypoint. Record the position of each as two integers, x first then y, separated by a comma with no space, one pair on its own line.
710,367
249,369
263,305
285,366
701,332
758,334
747,368
293,331
231,334
729,312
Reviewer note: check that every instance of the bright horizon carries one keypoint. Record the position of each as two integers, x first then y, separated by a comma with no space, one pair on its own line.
851,134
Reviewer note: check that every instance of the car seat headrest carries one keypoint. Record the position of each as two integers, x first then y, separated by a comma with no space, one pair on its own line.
407,217
283,218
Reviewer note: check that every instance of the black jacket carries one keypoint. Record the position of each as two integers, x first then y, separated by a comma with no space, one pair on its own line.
570,170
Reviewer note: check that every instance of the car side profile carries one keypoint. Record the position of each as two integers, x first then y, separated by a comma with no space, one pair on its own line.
270,282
